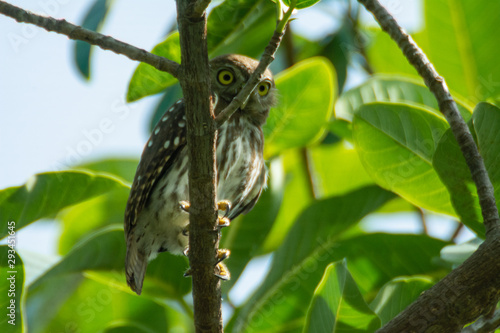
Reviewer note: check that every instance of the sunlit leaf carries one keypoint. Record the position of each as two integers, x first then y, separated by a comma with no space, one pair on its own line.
45,194
338,169
338,306
306,93
299,4
148,80
11,288
395,89
397,294
240,26
121,167
460,51
396,143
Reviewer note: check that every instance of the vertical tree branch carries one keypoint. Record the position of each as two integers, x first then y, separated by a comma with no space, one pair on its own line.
448,107
201,137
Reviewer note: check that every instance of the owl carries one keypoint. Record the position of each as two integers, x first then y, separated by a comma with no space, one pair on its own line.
155,221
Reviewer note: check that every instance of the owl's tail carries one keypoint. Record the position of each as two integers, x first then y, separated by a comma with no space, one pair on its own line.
135,267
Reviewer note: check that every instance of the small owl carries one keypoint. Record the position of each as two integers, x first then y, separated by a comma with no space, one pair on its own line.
154,220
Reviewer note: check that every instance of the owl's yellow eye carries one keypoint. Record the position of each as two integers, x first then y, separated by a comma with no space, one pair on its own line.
263,88
225,77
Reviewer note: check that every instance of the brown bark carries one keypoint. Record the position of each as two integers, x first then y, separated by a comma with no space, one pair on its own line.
201,135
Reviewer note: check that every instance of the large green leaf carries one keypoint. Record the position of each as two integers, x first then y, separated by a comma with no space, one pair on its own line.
397,294
247,234
240,26
148,80
307,93
11,288
45,194
80,303
396,143
452,168
122,167
395,89
93,21
278,305
104,251
297,196
461,51
86,217
373,259
337,168
338,306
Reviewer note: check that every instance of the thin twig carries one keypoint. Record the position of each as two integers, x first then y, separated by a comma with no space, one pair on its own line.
448,107
78,33
423,221
457,231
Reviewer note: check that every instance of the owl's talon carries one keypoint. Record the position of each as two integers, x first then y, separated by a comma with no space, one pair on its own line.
222,254
223,222
188,273
224,206
186,252
185,231
185,205
222,272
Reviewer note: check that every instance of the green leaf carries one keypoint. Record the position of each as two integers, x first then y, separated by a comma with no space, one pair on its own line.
11,289
248,233
148,80
338,306
93,21
396,143
300,261
299,4
80,303
334,178
240,26
104,252
460,52
170,96
395,89
98,212
397,294
296,182
373,259
121,167
452,168
45,194
307,92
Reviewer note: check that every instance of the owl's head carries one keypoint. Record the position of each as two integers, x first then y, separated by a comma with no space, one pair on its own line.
229,74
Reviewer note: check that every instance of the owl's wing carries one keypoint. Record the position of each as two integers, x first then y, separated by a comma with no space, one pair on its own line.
167,140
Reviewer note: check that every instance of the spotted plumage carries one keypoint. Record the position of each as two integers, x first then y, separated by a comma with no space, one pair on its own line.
154,221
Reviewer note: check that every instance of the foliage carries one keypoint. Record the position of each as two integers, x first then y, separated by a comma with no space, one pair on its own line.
337,155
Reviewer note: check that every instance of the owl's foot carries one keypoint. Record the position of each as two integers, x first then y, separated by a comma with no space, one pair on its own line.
224,206
185,205
221,270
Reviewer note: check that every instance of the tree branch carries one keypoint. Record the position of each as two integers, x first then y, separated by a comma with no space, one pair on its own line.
78,33
473,288
201,138
448,107
199,7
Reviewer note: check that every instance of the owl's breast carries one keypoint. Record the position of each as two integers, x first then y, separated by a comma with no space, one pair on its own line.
239,162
